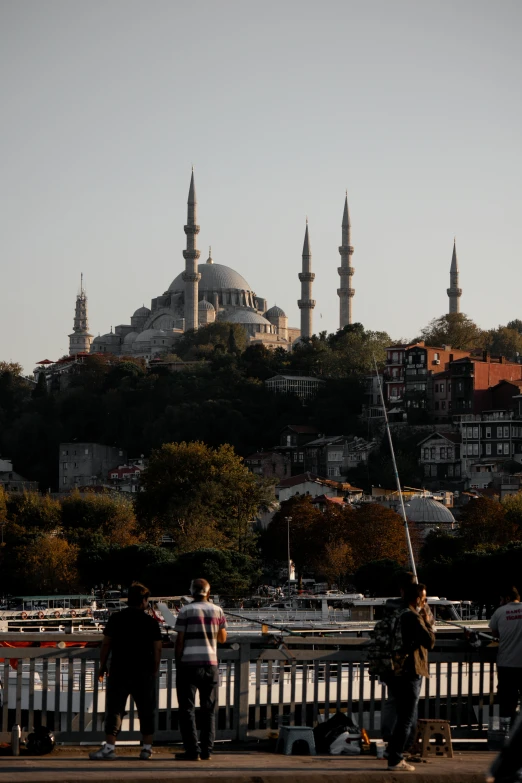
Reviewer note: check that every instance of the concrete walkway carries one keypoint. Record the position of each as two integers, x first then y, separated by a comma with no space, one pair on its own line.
70,765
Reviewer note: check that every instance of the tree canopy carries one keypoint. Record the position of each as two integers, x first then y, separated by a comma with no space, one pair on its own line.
456,330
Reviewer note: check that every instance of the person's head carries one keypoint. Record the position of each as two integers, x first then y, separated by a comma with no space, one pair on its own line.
415,595
509,594
138,596
200,589
406,578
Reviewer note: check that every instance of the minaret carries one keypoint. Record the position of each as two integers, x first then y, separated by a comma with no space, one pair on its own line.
191,276
454,292
80,339
306,303
346,270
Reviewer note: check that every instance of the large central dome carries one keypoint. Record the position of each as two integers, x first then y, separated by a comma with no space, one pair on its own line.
214,277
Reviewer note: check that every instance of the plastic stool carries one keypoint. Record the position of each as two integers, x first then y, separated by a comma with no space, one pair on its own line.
440,729
289,734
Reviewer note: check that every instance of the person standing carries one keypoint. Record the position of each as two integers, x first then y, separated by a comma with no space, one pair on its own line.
133,638
200,625
506,625
410,666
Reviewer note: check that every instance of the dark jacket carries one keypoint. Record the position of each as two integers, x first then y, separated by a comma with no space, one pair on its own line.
417,639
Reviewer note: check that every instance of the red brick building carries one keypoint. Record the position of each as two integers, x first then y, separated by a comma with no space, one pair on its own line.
472,379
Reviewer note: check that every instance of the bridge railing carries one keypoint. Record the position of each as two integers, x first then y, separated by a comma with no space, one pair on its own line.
262,685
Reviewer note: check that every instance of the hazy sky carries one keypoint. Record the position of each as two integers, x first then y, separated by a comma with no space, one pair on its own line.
413,106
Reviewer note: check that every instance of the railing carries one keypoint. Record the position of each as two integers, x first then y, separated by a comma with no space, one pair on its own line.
261,686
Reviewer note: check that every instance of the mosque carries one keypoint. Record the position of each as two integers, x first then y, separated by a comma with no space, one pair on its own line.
209,292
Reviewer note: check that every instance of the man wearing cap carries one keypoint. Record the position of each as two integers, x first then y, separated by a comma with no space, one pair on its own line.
200,626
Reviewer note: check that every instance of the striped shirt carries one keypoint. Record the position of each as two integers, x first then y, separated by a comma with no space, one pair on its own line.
200,621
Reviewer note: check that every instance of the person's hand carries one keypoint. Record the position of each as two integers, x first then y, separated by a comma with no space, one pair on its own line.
102,671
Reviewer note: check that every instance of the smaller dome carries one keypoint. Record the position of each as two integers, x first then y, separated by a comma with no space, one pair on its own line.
244,316
141,312
428,510
275,312
204,305
110,338
147,335
130,338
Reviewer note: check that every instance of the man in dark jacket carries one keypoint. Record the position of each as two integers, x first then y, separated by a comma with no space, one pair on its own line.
410,667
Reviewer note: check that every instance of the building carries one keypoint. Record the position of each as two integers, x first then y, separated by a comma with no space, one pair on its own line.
80,339
87,464
126,477
472,377
292,440
422,364
301,385
269,464
306,304
315,486
335,455
11,481
393,375
440,458
491,443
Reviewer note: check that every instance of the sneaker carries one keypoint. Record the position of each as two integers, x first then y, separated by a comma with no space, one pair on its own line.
205,756
187,756
145,754
402,766
103,754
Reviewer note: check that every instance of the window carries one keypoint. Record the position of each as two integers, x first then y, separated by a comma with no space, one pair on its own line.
449,405
65,479
459,386
506,432
443,405
450,470
426,470
457,470
301,456
422,358
449,452
442,388
410,359
433,470
75,465
499,432
436,356
488,448
395,356
65,465
506,448
475,432
65,453
334,471
335,456
86,451
436,387
426,453
114,475
488,432
432,452
475,449
442,452
499,448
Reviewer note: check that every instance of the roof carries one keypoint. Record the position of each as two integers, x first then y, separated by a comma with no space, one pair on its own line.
327,499
302,429
428,510
204,305
293,481
295,378
244,316
141,311
326,440
453,437
214,277
45,361
275,312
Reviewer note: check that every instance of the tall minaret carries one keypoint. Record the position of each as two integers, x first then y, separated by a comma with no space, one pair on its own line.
346,270
191,276
454,292
306,303
80,339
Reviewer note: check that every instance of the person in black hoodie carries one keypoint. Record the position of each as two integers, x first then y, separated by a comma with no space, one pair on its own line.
410,667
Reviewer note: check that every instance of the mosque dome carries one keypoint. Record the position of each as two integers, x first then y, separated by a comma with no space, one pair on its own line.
141,312
204,305
428,511
214,277
130,338
275,312
244,316
110,338
148,334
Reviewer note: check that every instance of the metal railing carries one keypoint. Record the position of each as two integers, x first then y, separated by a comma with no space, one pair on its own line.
261,685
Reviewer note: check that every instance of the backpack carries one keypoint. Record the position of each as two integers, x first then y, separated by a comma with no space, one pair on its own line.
385,652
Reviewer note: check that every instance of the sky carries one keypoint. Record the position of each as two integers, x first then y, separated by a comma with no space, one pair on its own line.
414,107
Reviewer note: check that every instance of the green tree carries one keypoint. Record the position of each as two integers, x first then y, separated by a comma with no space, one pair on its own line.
200,495
30,510
484,523
201,343
48,565
505,342
456,330
379,577
112,515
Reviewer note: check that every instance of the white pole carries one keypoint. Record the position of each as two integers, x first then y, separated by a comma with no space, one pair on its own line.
397,479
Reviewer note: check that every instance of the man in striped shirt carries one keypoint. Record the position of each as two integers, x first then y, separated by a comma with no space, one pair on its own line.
200,626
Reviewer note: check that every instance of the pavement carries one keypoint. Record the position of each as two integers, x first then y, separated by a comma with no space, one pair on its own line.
72,765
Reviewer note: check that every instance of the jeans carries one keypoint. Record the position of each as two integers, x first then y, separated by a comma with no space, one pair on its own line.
405,691
190,679
509,690
142,688
389,716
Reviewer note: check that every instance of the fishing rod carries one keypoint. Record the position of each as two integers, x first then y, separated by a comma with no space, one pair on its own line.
397,479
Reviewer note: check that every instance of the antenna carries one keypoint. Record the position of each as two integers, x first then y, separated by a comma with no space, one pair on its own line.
397,479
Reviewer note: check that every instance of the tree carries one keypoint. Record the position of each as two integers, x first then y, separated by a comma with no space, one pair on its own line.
192,344
200,495
110,514
377,533
456,330
505,342
48,565
484,523
30,510
379,577
303,526
516,324
337,562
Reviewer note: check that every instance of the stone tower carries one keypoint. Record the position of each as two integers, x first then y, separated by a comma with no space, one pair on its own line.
191,275
306,303
80,339
346,270
454,292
